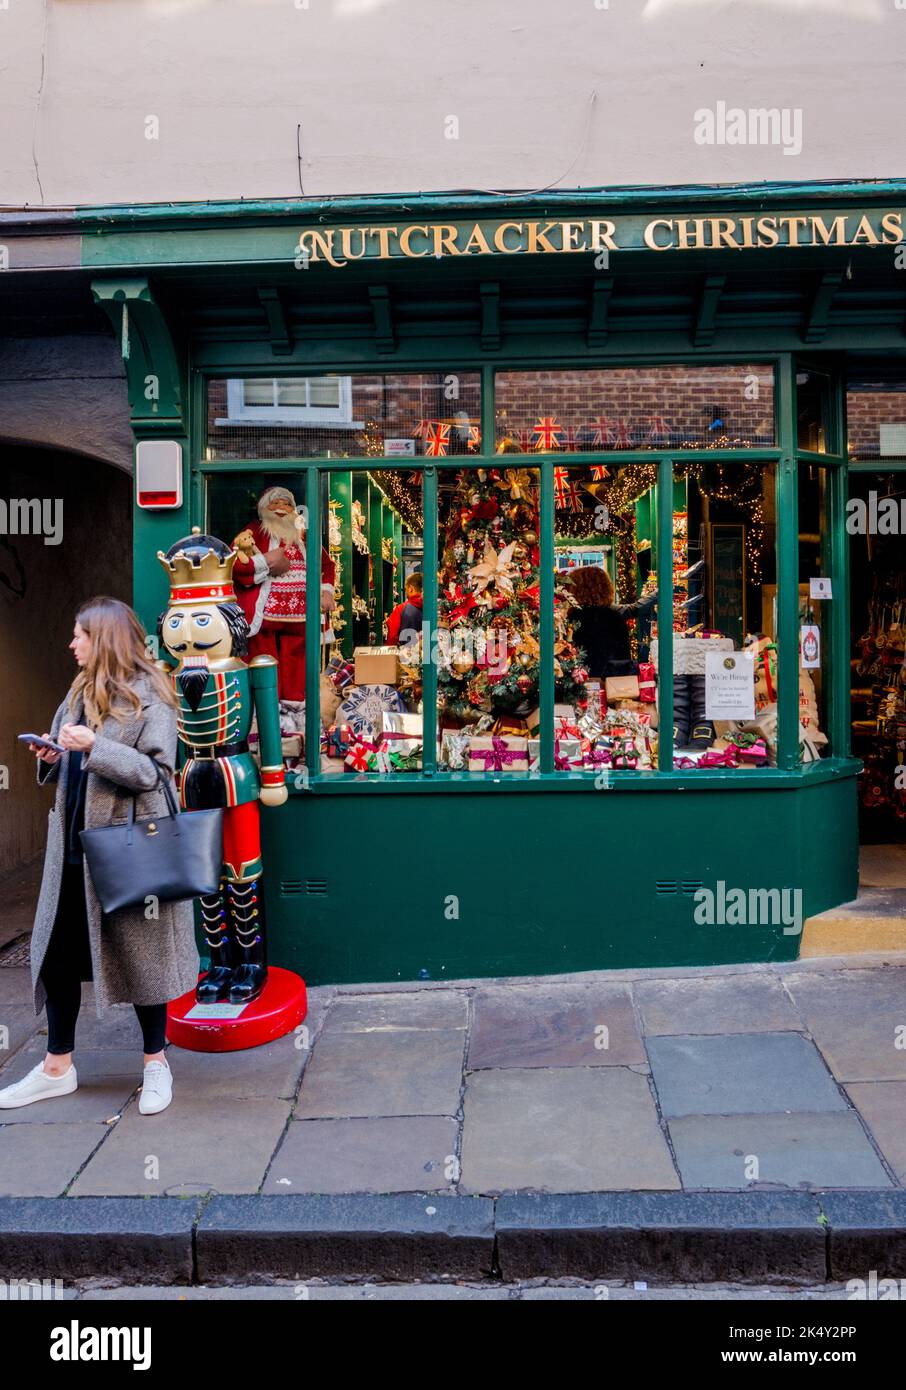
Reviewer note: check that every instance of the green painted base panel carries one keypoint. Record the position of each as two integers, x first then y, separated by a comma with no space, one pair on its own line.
406,887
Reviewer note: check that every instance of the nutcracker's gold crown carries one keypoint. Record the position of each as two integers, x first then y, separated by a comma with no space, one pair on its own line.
198,568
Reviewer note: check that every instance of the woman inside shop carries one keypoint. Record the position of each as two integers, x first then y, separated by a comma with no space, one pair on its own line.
600,626
117,726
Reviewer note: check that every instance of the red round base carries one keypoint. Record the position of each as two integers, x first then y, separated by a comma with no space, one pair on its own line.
280,1006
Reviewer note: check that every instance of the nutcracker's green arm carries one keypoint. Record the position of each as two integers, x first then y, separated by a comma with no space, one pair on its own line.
263,675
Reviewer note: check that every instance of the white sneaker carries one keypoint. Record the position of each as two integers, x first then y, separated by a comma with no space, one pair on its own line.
37,1085
157,1088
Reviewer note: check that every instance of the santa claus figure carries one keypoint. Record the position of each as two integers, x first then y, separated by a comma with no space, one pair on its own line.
271,585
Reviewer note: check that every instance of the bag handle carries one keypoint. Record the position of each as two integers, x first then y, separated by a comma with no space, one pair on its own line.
163,781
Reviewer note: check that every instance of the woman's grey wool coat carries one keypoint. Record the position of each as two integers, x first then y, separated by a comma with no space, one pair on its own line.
135,960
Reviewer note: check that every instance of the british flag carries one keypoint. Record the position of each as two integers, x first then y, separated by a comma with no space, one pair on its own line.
573,497
474,437
420,428
548,430
525,440
622,439
658,429
561,485
599,473
437,439
571,438
603,431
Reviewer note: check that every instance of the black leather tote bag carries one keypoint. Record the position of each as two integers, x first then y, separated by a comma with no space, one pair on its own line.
171,858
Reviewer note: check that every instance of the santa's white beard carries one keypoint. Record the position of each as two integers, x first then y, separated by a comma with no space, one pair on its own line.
279,529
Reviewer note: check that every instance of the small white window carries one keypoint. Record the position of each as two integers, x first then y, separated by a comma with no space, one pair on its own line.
291,400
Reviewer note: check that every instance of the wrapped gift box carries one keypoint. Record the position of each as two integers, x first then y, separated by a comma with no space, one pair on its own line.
402,736
377,665
454,749
569,755
365,705
534,754
493,753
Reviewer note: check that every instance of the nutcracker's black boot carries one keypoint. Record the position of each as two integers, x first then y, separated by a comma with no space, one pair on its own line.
702,729
247,928
216,983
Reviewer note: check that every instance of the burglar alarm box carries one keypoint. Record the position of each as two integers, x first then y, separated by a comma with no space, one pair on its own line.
158,474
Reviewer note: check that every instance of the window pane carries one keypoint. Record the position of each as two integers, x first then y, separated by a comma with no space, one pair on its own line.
815,564
418,414
605,618
876,415
370,690
488,652
664,407
290,392
725,676
258,391
813,401
876,522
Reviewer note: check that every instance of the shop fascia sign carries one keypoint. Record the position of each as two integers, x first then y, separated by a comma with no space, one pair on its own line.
341,246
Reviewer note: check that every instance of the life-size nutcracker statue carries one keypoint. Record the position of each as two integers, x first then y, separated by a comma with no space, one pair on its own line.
205,630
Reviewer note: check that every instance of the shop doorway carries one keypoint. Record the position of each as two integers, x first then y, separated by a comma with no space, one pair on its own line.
76,544
878,645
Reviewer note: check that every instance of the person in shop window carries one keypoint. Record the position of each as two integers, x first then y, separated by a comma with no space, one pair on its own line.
600,625
404,624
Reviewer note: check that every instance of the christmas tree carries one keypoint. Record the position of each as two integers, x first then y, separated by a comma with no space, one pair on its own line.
489,602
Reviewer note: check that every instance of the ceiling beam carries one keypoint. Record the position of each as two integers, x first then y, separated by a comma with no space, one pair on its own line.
277,326
382,309
818,320
706,319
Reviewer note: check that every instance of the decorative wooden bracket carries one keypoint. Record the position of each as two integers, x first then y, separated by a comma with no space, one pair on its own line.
490,316
384,331
705,323
149,354
598,310
277,326
818,320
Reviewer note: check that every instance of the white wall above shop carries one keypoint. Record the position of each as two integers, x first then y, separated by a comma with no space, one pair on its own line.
403,95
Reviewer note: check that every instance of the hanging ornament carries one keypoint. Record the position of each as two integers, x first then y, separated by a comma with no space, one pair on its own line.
524,683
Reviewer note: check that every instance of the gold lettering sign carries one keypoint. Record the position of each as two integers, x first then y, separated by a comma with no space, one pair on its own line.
339,246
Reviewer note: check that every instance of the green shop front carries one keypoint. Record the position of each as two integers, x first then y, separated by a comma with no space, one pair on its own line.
493,394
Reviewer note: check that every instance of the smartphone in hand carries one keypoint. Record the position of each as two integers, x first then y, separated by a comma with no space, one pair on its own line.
42,742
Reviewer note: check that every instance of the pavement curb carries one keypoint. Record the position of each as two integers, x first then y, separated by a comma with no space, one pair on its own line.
665,1237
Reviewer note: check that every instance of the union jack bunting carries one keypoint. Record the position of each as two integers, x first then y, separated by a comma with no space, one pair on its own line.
603,431
548,430
599,473
437,439
561,482
420,428
474,437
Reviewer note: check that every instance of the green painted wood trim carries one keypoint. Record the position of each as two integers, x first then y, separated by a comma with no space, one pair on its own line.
663,521
787,503
312,626
429,622
546,625
153,365
837,662
375,532
341,491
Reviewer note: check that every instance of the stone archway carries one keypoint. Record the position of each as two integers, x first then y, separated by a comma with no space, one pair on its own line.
41,586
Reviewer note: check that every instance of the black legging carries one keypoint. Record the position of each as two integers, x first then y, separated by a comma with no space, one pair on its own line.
68,962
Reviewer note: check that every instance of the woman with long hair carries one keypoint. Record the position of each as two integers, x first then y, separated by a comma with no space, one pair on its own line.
599,626
117,723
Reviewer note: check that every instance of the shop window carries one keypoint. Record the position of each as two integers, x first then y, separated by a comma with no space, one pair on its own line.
606,600
876,415
813,411
725,668
818,593
398,415
648,408
370,687
876,521
488,653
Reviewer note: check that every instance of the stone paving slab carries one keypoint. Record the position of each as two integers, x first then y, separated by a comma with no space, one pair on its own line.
16,1012
399,1154
41,1161
435,1009
736,1004
269,1071
199,1144
579,1130
882,1105
853,1015
739,1074
383,1071
557,1026
107,1078
794,1150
